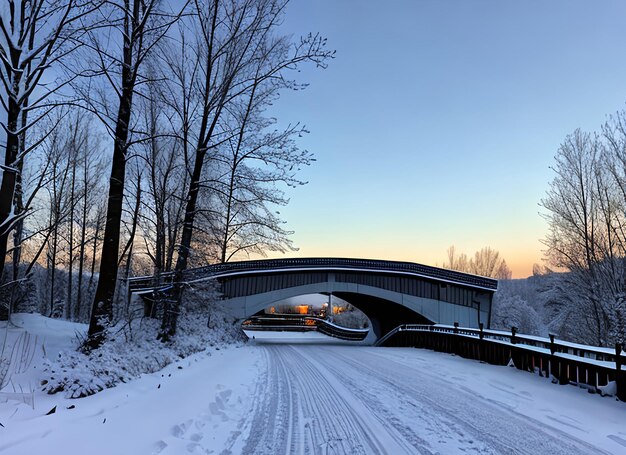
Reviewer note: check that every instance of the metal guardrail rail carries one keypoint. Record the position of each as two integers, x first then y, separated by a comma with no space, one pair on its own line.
344,333
307,324
138,284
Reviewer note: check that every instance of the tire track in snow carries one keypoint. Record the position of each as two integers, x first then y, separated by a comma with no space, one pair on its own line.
371,399
452,410
428,432
332,423
271,413
349,400
298,410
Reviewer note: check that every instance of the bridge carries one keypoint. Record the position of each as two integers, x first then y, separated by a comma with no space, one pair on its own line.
390,293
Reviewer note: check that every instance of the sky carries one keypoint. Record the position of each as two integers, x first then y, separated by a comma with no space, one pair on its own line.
437,122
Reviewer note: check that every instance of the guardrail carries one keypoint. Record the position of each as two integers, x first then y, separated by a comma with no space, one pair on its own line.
306,324
138,284
344,333
597,368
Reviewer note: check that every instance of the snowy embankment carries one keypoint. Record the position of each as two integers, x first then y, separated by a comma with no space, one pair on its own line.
270,399
43,351
27,344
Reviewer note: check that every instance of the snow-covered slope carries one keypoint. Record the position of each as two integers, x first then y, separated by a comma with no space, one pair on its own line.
270,399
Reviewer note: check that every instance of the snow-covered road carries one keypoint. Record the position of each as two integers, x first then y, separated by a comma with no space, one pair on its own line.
335,399
275,399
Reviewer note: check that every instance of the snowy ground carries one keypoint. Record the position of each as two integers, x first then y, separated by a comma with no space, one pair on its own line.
270,399
268,336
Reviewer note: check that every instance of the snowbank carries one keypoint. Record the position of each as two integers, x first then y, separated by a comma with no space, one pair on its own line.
130,350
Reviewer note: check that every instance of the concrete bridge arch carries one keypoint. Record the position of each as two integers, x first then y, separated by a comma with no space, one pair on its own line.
387,299
390,293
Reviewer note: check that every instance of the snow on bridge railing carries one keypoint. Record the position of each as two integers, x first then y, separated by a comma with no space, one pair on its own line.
136,284
345,333
550,344
347,329
305,323
601,368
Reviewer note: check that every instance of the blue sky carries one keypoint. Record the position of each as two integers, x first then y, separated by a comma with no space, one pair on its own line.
436,123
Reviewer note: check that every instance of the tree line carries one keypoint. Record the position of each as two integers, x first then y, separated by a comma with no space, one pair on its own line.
585,207
580,294
485,262
139,139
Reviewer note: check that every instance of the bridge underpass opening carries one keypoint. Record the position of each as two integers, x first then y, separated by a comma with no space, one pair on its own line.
384,315
329,315
346,310
322,305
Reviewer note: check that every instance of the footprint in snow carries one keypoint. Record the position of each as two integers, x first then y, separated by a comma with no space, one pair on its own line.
195,437
217,411
178,431
194,447
159,446
199,424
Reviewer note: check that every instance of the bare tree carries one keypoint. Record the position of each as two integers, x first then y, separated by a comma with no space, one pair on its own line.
75,146
457,261
59,210
251,165
166,182
578,230
30,179
88,215
134,27
236,50
35,35
486,262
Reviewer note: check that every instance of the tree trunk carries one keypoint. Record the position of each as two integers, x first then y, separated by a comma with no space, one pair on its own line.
18,233
95,251
131,240
83,241
53,261
70,259
171,309
9,178
102,308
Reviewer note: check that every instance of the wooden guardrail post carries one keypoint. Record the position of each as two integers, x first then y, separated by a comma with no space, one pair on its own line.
561,373
552,351
620,377
430,339
481,342
455,340
512,352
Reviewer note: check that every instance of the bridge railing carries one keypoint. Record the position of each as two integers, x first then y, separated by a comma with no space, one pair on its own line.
597,368
305,324
136,284
279,324
343,333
